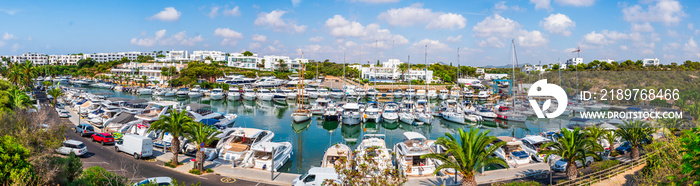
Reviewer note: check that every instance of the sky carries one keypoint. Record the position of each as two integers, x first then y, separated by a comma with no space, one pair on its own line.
363,30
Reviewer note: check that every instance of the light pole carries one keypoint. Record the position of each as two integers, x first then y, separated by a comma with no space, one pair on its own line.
549,162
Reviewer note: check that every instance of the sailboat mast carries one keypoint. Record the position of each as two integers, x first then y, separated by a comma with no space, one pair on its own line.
426,71
513,45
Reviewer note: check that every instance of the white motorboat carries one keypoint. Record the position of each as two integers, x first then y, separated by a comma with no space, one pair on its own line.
323,93
350,93
311,93
361,93
454,93
335,153
408,155
159,92
337,93
390,113
398,93
217,94
262,156
483,95
249,94
371,94
504,113
485,113
170,92
410,93
264,94
319,107
155,109
512,153
182,92
279,96
233,93
373,113
195,92
407,117
531,145
351,114
205,114
291,94
332,113
268,82
453,116
468,93
473,118
381,155
432,94
145,91
421,94
235,147
444,94
406,114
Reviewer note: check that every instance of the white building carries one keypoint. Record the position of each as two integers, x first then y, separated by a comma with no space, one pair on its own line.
104,57
606,60
574,61
238,60
495,76
480,71
36,58
415,74
152,71
296,63
272,62
71,59
174,56
201,55
532,68
650,62
388,71
133,56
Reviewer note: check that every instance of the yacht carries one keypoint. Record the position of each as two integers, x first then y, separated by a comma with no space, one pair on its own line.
217,94
195,92
398,93
350,92
233,93
320,106
452,116
468,93
381,154
170,92
390,113
371,94
278,96
373,112
406,112
361,93
410,93
262,156
268,82
512,153
311,93
337,93
159,92
155,109
335,153
444,94
485,113
234,148
483,95
203,113
291,94
332,112
505,113
182,92
145,91
432,94
408,155
264,94
421,94
422,112
532,144
454,94
323,93
351,114
249,94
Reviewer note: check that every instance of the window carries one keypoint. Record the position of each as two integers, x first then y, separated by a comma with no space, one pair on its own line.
309,178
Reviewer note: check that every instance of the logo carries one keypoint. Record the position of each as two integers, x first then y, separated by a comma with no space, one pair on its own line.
541,88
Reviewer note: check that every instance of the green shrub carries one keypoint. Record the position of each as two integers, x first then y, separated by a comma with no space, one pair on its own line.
209,170
602,165
521,183
195,171
171,165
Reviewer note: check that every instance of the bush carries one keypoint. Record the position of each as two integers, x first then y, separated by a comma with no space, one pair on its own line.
521,183
209,170
195,171
100,176
602,165
171,165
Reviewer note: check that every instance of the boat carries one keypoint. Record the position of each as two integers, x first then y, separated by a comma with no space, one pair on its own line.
290,93
380,155
361,93
398,93
145,91
406,112
268,82
332,112
408,155
504,113
452,116
350,93
301,114
204,114
159,92
323,93
468,93
334,154
195,92
421,94
485,113
264,94
454,94
233,148
155,109
351,114
311,93
337,93
410,93
170,92
432,94
444,94
371,94
249,94
512,153
233,93
269,155
532,144
422,112
319,107
390,113
483,95
372,113
279,96
217,94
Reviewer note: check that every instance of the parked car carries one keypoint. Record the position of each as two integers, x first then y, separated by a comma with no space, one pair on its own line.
316,176
85,129
624,148
63,113
156,181
135,145
560,166
103,138
75,146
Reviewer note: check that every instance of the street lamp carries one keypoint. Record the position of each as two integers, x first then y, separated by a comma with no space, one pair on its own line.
549,162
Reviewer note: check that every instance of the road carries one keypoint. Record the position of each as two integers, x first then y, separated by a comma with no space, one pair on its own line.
136,170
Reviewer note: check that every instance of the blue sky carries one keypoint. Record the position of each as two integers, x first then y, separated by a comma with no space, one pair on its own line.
543,30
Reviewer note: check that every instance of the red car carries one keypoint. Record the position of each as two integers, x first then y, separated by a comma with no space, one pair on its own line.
103,138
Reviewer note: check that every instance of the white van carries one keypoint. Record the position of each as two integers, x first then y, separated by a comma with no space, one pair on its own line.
316,176
138,146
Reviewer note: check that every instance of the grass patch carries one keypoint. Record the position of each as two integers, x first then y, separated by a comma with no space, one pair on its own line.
209,170
172,165
602,165
195,171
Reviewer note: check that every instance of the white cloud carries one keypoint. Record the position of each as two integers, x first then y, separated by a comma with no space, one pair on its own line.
416,14
8,36
558,24
316,39
448,21
160,38
646,27
274,20
542,4
454,39
214,12
605,37
295,3
376,1
30,38
575,2
341,27
169,14
691,48
497,29
9,11
623,47
15,47
595,38
433,46
254,46
317,49
230,37
667,12
672,33
232,12
260,38
502,6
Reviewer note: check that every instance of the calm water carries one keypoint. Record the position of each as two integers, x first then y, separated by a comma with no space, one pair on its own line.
311,139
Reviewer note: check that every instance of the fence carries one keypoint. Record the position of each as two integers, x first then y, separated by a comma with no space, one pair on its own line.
596,177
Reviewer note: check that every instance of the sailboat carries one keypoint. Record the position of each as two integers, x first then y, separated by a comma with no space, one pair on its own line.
509,113
301,114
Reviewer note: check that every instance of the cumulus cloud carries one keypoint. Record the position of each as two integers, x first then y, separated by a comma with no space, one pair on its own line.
274,20
454,39
646,27
260,38
214,12
161,39
502,6
232,12
604,37
668,12
316,39
230,37
558,24
542,4
432,46
416,14
691,48
497,29
575,2
341,27
169,14
8,36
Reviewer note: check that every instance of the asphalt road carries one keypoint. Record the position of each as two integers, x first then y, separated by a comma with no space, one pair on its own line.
137,170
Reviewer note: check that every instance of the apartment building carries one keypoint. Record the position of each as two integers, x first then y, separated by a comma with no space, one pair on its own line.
174,56
201,55
70,59
650,62
152,71
272,62
239,60
36,58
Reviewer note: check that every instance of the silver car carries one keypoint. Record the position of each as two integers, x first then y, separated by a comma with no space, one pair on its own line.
77,147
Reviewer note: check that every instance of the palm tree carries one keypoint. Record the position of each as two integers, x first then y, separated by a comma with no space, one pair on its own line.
571,146
595,132
144,78
28,73
18,100
55,93
610,136
202,135
14,75
673,125
469,153
635,132
175,125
